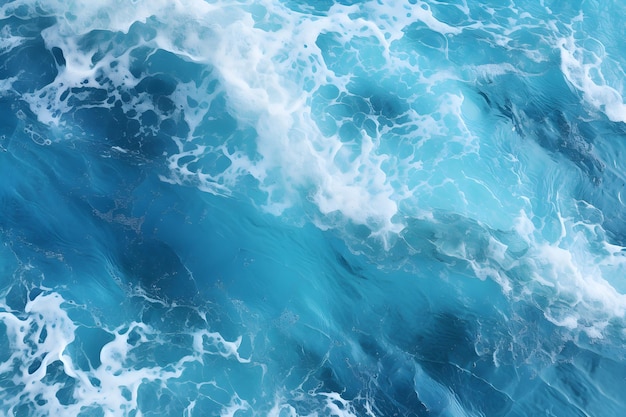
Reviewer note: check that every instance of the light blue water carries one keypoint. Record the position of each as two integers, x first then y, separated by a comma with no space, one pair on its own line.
274,208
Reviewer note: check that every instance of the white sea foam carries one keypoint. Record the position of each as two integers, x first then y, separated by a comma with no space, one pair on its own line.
590,69
582,295
8,41
43,335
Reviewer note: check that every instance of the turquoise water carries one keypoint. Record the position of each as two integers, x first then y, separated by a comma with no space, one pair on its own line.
274,208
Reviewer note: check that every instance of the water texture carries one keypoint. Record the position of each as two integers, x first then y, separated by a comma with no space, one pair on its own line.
325,208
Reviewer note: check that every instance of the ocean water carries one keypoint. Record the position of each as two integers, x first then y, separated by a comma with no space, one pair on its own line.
325,208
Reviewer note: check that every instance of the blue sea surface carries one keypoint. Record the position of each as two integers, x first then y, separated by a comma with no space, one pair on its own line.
327,208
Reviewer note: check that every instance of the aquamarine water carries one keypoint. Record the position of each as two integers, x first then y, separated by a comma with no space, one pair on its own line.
325,208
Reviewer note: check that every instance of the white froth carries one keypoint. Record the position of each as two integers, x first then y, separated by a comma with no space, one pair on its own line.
236,405
582,294
42,334
587,67
37,339
212,343
8,41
